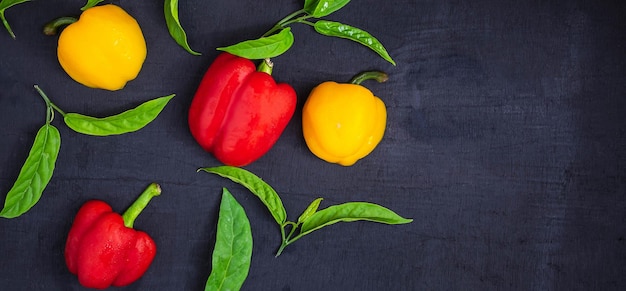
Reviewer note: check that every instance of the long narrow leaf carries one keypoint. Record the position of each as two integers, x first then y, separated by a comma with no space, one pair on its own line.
264,47
125,122
337,29
175,28
257,186
349,212
35,173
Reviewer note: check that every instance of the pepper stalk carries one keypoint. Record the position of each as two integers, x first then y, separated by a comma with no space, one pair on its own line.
138,206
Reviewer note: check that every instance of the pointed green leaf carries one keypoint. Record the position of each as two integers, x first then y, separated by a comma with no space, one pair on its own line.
125,122
321,8
233,247
337,29
310,210
351,211
257,186
35,173
175,28
264,47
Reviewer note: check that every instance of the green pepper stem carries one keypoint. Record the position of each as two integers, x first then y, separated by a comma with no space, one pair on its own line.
266,66
135,209
369,75
53,26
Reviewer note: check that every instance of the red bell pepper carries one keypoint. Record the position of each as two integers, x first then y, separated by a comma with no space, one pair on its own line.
102,247
239,112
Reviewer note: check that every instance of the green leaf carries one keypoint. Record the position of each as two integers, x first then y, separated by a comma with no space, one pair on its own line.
90,3
173,25
257,186
125,122
321,8
4,5
337,29
35,173
233,247
348,212
310,210
264,47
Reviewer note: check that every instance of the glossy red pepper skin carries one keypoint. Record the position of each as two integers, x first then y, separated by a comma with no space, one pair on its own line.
238,113
103,252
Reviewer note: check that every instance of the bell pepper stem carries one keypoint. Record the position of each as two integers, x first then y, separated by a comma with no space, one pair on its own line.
135,209
53,26
369,75
266,66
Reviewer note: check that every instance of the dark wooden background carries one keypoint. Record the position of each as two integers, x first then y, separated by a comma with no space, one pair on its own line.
505,143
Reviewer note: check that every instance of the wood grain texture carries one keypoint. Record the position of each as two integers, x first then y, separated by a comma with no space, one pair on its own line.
505,143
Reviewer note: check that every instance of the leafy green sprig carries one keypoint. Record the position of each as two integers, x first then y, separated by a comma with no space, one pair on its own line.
279,38
311,218
40,163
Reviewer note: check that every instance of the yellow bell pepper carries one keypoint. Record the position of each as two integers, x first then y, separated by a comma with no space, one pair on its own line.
104,49
343,123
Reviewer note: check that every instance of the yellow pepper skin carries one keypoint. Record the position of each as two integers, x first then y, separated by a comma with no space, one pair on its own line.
104,49
343,123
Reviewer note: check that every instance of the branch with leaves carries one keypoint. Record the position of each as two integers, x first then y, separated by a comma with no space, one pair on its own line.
311,218
279,38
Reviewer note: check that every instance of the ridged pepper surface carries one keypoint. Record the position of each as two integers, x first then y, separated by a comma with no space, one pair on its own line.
239,112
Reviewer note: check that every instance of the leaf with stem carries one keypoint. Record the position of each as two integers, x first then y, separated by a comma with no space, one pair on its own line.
279,38
346,212
311,219
36,171
128,121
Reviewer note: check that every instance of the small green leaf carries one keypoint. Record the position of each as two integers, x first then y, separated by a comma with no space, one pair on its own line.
4,5
257,186
310,210
35,173
90,3
173,25
337,29
321,8
264,47
348,212
125,122
233,247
